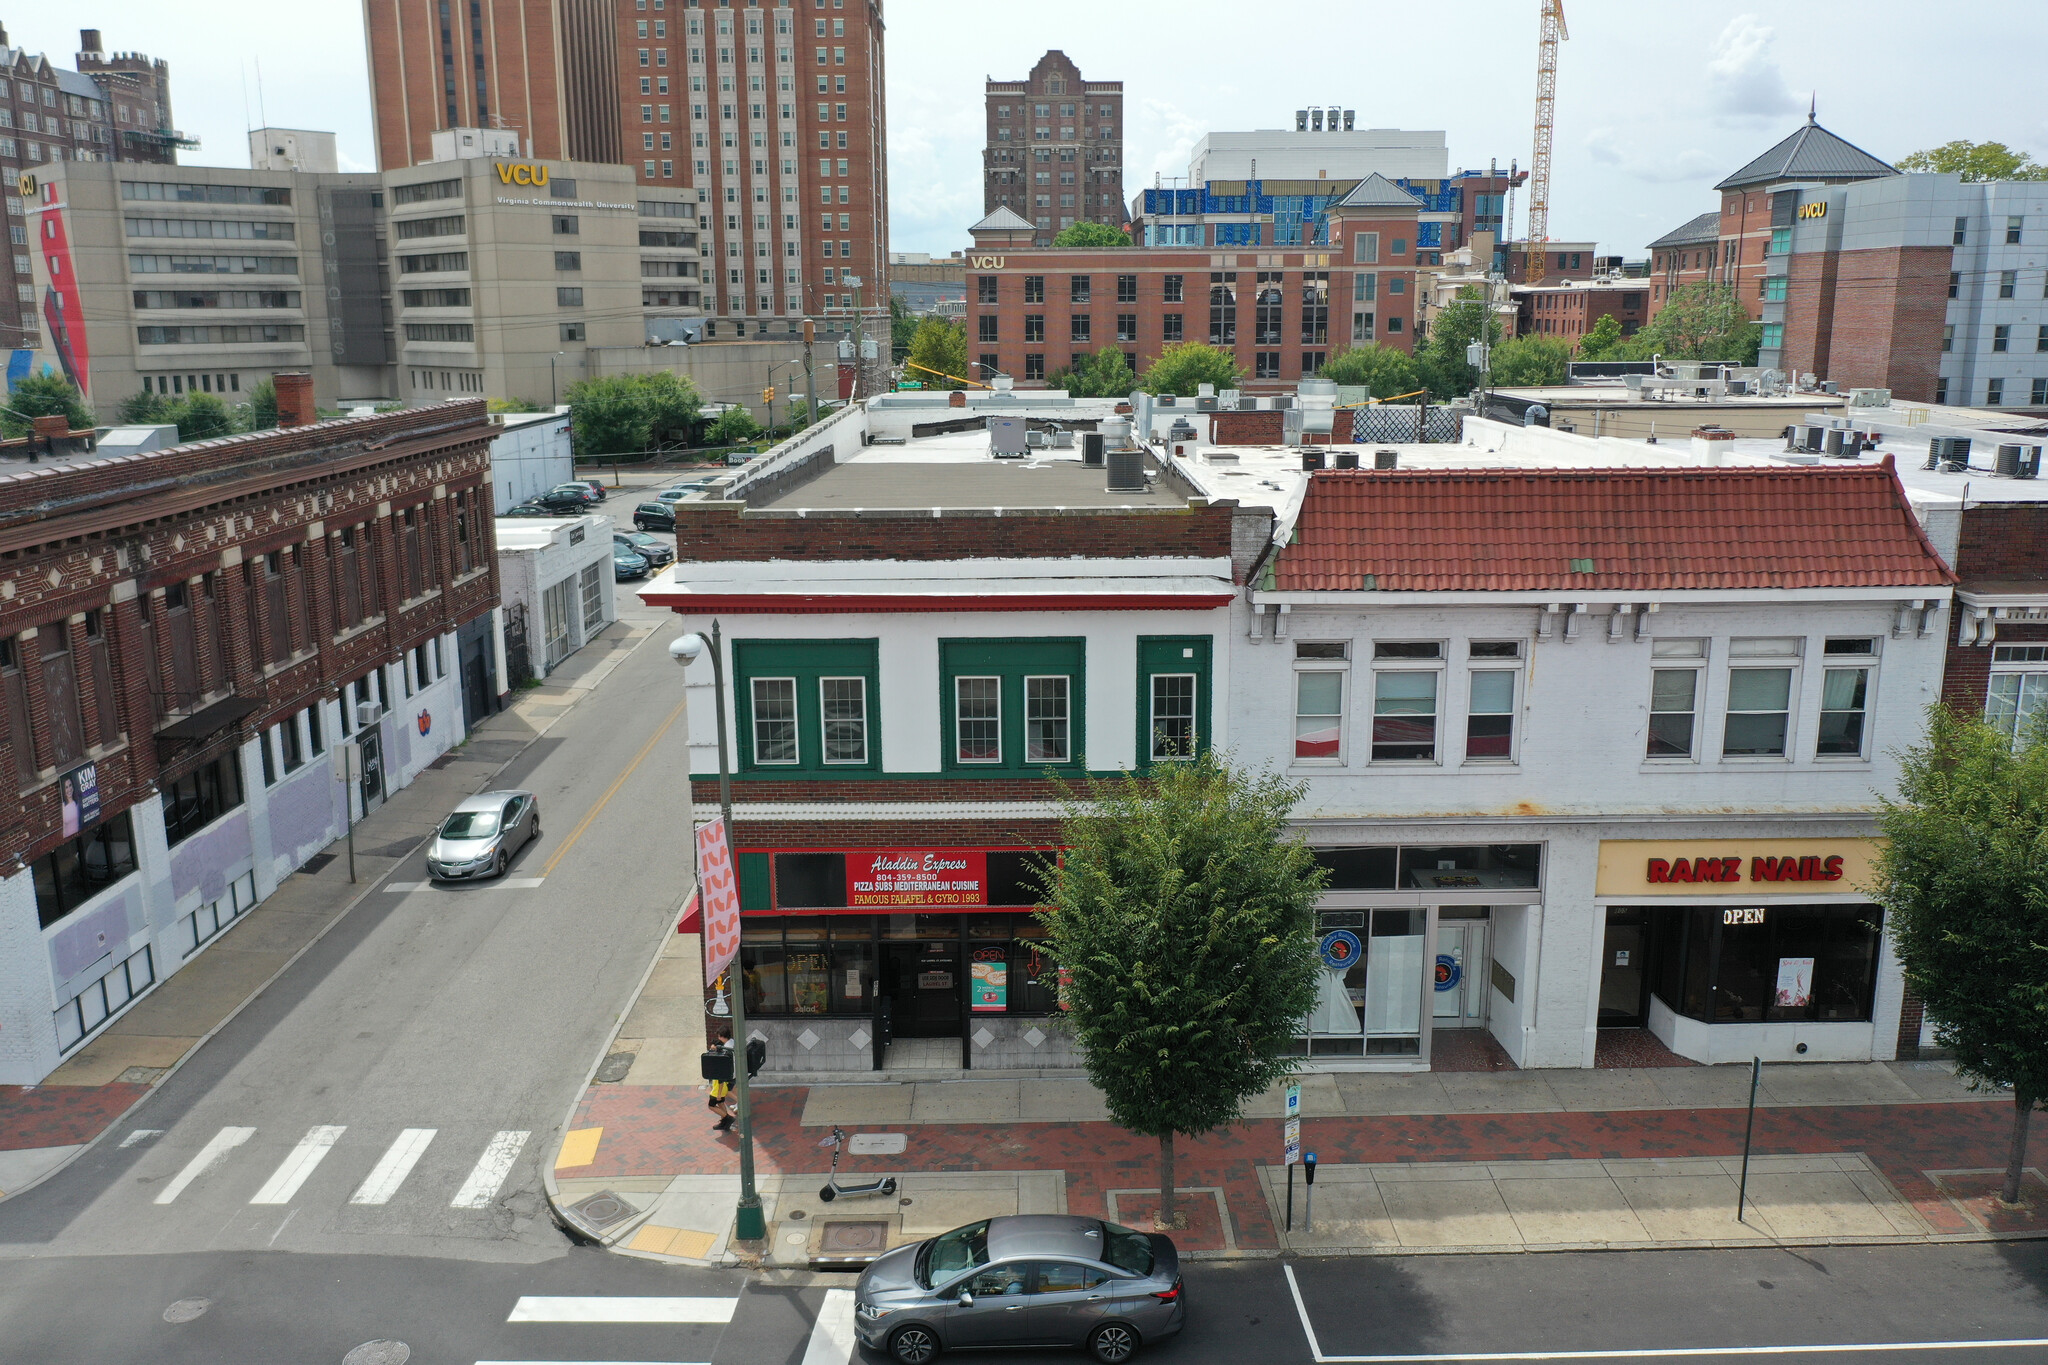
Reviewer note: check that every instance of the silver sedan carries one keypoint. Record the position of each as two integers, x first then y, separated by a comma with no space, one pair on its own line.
1029,1280
480,836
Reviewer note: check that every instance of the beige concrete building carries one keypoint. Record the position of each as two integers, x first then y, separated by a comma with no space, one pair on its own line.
478,276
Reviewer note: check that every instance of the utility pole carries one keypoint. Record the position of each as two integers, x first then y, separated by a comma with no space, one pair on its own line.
810,380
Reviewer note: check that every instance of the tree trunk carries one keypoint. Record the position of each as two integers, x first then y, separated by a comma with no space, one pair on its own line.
2016,1163
1169,1213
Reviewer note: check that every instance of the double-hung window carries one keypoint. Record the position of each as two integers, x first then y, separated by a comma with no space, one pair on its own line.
1759,719
1847,668
978,720
1404,700
1048,735
2019,688
1490,717
1173,696
1675,696
1012,704
1320,675
775,720
843,707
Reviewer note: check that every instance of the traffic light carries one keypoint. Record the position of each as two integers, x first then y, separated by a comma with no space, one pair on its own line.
768,394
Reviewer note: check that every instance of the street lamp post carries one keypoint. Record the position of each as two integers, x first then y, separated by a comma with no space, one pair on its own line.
751,1225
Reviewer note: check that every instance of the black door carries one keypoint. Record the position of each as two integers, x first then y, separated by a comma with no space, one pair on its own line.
923,984
372,742
1624,969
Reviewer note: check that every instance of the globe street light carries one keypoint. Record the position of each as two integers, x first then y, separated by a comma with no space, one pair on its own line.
751,1225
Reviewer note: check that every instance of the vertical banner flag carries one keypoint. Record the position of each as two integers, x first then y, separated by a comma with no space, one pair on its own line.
718,891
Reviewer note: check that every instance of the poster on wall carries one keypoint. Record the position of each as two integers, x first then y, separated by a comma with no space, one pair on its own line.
912,877
80,792
1795,982
988,986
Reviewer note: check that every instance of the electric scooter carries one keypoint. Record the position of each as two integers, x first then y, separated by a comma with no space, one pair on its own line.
834,1187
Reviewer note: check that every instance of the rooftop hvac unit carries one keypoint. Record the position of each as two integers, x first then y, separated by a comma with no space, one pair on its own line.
1038,440
1007,437
1386,459
1811,438
1829,386
1228,400
1063,439
1206,403
1347,459
1870,398
1950,454
2007,465
1126,471
1091,448
1181,430
1311,461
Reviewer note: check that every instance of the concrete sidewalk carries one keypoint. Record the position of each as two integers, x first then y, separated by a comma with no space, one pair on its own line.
43,1126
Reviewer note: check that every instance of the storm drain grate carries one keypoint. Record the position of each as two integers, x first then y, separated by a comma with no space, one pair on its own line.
854,1239
601,1210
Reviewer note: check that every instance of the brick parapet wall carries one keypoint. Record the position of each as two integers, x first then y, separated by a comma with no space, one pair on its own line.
2003,542
727,533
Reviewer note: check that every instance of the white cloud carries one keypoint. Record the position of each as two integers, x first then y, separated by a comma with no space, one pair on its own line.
1642,159
1159,137
1743,82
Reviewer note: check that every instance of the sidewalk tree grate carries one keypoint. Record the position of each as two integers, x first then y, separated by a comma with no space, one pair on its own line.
854,1239
601,1210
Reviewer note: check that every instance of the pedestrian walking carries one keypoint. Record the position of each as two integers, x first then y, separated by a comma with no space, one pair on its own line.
722,1099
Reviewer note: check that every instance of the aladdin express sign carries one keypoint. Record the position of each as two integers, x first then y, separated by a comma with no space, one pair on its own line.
912,877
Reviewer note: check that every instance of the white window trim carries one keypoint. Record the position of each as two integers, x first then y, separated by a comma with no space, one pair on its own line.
1067,698
1152,714
1793,738
1698,669
1513,668
1436,666
997,761
754,723
824,743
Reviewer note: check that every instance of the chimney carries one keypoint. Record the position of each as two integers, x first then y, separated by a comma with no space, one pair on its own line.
294,397
89,41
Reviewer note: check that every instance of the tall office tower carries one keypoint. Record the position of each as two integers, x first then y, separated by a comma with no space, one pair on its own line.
772,113
1055,152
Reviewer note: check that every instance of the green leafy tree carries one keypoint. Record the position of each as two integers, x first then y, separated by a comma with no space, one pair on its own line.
939,349
902,327
201,417
627,413
143,409
1185,366
1975,161
1183,921
43,395
1963,879
261,409
1106,374
673,405
735,426
1531,362
1384,371
512,405
1700,321
1091,234
1602,340
1456,325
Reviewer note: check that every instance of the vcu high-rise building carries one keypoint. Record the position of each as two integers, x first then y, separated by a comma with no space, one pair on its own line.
771,114
1055,153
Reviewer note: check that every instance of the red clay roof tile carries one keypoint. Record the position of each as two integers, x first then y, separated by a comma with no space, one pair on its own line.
1646,530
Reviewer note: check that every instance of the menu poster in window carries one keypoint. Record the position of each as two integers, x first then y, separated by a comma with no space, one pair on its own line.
1795,982
938,876
988,987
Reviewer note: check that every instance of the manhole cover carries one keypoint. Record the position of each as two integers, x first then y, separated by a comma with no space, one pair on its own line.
379,1353
798,1214
601,1210
904,1201
184,1310
615,1066
842,1239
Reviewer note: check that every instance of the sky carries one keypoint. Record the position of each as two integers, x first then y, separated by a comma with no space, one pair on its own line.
1656,100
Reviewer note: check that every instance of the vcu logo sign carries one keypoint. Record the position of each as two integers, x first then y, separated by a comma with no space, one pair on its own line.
985,262
522,175
1816,209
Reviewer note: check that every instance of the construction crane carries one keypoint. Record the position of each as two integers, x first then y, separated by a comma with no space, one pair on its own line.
1546,119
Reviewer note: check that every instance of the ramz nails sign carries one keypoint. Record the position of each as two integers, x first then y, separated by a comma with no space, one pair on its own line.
1801,869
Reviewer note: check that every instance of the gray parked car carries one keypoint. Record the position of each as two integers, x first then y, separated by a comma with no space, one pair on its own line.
1030,1280
480,836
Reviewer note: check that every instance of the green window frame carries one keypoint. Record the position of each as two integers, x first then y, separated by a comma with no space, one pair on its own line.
997,704
1163,661
834,686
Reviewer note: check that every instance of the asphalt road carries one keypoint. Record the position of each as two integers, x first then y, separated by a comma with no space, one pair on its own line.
397,1090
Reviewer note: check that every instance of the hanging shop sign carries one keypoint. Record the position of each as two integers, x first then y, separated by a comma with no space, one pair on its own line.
913,877
1341,950
1658,867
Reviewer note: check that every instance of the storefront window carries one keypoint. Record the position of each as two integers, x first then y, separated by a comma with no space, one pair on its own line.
1369,996
1432,868
1767,964
761,966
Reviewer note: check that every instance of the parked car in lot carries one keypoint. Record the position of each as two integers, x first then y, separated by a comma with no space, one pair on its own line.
658,553
554,503
655,516
531,508
583,492
480,836
684,490
1026,1280
627,563
596,486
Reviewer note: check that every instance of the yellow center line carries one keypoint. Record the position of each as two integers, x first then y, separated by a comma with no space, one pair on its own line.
547,869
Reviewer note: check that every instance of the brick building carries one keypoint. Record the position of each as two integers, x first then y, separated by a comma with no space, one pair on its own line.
1282,313
190,633
1685,255
114,108
1055,148
1568,310
772,116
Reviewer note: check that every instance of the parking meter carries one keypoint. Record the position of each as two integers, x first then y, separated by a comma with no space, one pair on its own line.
1308,1218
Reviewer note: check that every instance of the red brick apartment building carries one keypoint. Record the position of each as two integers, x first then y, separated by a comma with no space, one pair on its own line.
189,633
1055,148
1568,311
1282,313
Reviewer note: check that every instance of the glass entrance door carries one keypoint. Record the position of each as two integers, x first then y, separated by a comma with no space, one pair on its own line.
1624,994
922,981
1458,997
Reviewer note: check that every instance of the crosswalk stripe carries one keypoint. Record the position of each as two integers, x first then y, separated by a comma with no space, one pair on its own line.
492,1167
613,1308
393,1167
832,1334
211,1155
299,1163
